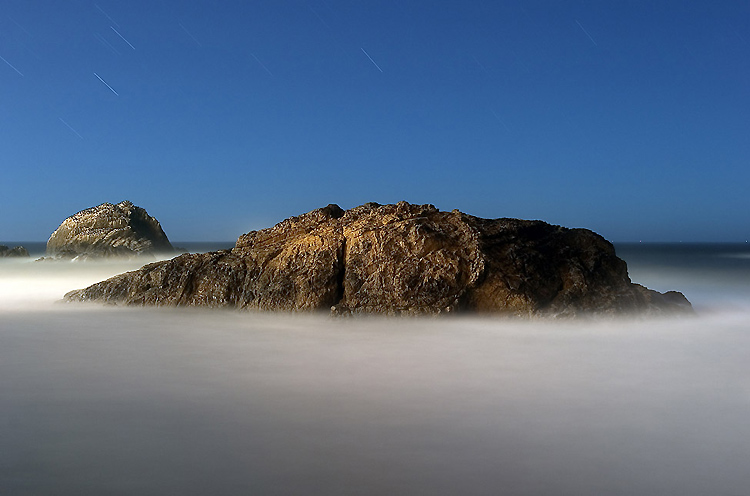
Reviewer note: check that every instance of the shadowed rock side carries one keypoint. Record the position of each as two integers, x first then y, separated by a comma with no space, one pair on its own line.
108,230
398,259
16,251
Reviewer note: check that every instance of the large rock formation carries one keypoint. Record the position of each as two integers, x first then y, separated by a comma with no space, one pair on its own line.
109,230
398,259
16,251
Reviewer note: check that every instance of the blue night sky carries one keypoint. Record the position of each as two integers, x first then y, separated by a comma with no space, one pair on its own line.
629,118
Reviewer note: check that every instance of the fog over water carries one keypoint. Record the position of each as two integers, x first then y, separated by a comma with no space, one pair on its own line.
107,400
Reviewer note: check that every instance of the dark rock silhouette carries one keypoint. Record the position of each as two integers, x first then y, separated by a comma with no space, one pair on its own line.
16,251
398,259
109,230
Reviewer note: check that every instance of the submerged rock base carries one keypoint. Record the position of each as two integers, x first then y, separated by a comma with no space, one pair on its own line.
398,259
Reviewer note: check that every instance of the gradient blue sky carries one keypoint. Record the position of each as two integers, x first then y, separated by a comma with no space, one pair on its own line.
629,118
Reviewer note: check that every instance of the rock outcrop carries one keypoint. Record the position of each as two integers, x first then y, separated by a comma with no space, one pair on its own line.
109,230
16,251
398,259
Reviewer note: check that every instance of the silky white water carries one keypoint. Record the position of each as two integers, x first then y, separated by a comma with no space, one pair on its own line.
107,400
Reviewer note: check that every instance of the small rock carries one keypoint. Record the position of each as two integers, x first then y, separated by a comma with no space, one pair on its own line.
108,230
16,251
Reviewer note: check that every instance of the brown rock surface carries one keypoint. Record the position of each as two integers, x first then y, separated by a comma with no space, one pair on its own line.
109,230
398,259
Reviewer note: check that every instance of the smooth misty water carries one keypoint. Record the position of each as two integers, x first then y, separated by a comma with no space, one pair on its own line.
104,400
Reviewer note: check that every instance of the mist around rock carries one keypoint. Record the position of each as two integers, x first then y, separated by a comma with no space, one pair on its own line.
196,401
101,399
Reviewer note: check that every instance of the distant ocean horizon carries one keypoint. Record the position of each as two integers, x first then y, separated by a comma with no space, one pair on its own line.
101,399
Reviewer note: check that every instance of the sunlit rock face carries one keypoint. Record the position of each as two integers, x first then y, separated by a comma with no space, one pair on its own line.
109,230
16,251
398,259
